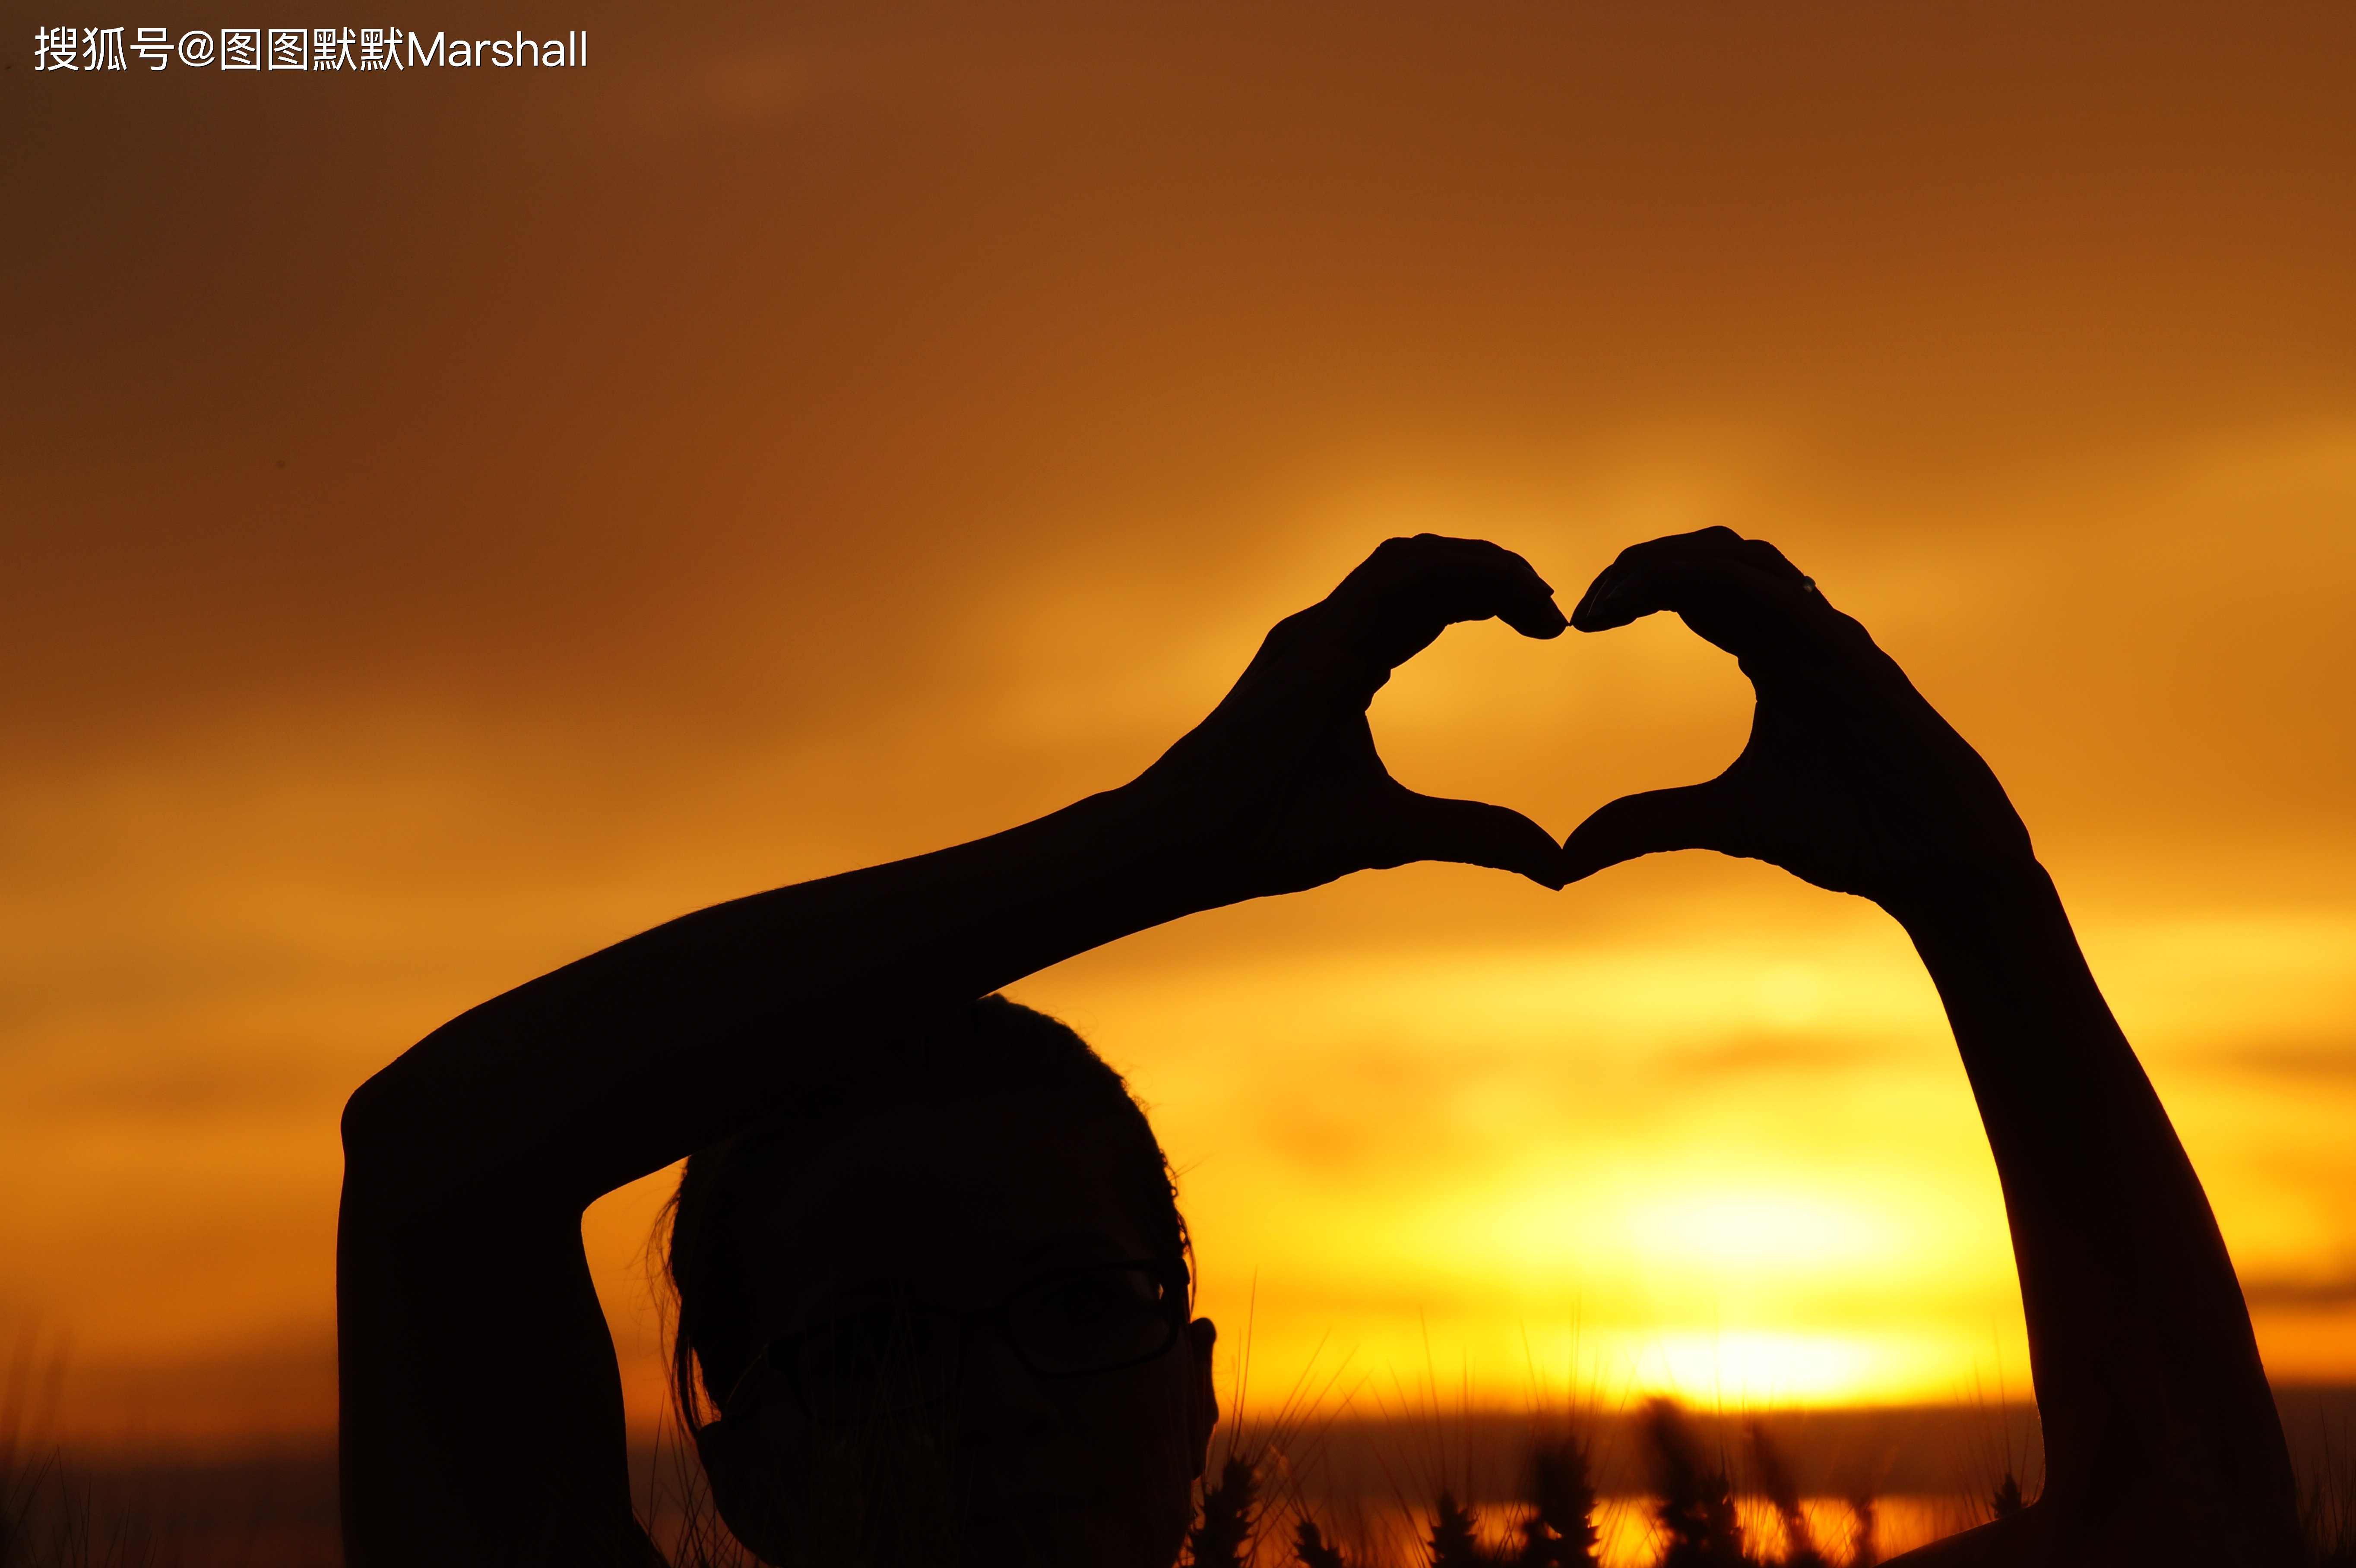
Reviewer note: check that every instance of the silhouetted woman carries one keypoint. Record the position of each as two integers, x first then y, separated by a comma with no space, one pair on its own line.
933,1287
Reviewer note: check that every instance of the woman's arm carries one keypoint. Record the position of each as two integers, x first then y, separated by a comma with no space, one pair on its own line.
2161,1441
2162,1444
482,1410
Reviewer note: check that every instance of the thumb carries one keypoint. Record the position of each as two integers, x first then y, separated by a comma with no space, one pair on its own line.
1691,817
1473,833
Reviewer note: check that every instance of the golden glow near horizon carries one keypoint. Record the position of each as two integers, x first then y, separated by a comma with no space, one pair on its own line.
1692,1126
924,498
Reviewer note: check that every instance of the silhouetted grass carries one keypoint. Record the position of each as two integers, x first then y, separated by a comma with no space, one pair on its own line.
1552,1526
1309,1546
49,1519
1455,1541
1558,1529
1695,1511
46,1521
1783,1492
2328,1508
1225,1534
1705,1502
1717,1492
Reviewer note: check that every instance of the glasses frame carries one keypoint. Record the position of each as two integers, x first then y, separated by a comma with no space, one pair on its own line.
778,1359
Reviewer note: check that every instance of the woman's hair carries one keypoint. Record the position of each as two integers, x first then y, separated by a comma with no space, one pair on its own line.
985,1049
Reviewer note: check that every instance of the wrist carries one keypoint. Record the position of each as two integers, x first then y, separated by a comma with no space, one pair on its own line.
1137,853
2003,928
1969,896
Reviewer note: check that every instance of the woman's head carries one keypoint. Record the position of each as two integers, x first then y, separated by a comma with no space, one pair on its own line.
883,1294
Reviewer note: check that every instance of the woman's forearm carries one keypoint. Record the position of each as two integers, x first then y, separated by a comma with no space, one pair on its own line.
617,1065
2147,1375
627,1059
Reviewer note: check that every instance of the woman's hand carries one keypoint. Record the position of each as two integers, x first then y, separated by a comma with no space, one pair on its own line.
1849,779
2162,1447
1280,788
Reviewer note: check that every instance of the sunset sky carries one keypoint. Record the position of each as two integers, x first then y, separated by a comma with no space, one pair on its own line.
453,520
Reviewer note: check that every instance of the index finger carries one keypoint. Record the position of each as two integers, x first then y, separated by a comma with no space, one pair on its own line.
1401,597
1741,594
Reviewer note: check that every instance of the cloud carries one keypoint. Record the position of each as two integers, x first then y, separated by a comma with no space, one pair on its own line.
2295,1293
2335,1064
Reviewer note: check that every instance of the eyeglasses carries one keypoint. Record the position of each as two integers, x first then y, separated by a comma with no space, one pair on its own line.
893,1361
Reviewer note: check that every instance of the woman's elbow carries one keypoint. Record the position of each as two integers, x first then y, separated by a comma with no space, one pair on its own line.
396,1150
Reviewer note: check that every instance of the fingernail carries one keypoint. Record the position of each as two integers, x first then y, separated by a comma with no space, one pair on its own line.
1593,600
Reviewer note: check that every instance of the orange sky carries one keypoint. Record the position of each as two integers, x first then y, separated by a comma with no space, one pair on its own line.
453,521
